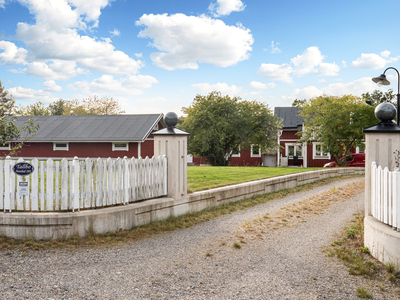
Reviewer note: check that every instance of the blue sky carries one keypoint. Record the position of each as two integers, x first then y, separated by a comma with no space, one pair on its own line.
155,56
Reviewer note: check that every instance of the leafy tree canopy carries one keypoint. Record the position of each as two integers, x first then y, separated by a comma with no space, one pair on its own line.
219,124
377,97
6,102
337,123
10,132
298,102
90,106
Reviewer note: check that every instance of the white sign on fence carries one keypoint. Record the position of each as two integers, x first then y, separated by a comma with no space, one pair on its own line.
23,188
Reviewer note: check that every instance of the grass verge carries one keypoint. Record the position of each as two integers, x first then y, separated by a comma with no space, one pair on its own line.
349,247
203,178
149,230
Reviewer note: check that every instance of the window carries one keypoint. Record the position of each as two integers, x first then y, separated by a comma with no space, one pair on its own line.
120,147
236,152
294,150
319,152
60,146
255,151
5,146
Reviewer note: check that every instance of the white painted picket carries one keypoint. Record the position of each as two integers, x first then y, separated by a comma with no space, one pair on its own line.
385,195
62,185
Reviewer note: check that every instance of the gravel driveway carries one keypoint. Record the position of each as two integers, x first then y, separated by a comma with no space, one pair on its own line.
197,263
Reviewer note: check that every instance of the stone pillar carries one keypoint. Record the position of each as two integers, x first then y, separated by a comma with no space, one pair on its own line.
381,141
172,142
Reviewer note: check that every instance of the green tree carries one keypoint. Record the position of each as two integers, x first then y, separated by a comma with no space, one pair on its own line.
219,124
36,109
102,106
6,102
337,123
298,102
377,97
9,131
57,107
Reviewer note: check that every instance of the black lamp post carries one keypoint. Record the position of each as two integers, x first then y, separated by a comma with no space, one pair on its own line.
381,80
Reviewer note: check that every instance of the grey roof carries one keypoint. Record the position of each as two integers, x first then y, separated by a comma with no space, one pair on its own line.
92,128
290,117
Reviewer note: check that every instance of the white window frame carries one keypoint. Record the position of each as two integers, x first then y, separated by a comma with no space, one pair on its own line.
323,156
8,147
156,127
236,155
114,148
55,148
295,151
255,155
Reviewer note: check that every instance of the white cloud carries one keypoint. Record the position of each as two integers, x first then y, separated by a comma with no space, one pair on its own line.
20,93
261,86
155,100
225,7
12,54
56,70
54,38
310,61
225,89
276,72
107,84
306,93
51,86
327,69
322,80
385,53
139,55
370,61
306,62
2,3
274,47
185,41
357,87
344,64
115,32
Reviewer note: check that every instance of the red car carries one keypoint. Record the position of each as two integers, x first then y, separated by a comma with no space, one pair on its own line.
358,161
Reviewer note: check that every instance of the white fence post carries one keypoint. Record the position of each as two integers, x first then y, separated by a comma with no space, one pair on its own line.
396,199
35,185
64,184
76,184
49,185
7,179
20,199
1,184
385,194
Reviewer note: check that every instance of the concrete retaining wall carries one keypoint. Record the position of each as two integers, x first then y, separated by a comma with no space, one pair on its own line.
382,241
56,225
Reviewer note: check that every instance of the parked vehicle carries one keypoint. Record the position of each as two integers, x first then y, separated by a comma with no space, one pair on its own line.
357,161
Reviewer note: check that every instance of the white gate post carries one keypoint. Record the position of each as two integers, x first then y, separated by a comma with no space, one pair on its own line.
7,174
172,143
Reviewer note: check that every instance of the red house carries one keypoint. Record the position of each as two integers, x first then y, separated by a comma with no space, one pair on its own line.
90,136
295,153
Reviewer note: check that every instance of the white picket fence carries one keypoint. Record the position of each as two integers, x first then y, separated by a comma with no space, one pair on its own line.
385,195
71,185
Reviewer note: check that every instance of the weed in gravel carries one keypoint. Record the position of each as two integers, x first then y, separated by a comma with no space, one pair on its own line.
237,245
208,254
363,293
349,247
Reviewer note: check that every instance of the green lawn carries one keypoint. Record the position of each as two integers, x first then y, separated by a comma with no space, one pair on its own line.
202,178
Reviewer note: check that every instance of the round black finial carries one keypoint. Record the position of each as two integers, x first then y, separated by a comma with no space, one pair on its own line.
171,119
385,112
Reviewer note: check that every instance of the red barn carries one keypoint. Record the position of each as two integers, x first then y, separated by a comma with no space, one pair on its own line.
90,136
